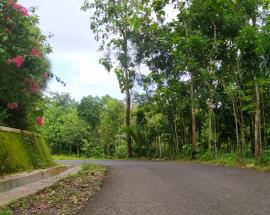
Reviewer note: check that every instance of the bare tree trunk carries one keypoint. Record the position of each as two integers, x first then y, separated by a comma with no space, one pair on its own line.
128,122
193,118
215,138
210,131
263,122
242,130
78,149
257,136
176,139
159,145
127,84
236,126
210,113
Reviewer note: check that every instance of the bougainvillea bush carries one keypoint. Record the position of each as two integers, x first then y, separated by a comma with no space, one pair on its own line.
24,68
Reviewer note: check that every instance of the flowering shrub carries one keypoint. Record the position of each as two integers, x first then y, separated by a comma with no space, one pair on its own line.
24,67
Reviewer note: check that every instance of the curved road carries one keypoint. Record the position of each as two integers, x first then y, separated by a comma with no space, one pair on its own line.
171,188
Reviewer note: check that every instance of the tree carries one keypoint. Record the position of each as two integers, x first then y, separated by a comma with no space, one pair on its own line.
111,22
111,120
89,110
215,49
63,130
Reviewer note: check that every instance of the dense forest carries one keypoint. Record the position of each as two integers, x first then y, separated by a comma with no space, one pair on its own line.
207,88
206,85
90,128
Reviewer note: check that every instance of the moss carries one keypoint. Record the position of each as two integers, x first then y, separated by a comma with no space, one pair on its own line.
21,152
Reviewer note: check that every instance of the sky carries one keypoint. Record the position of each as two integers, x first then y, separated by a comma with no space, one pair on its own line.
75,52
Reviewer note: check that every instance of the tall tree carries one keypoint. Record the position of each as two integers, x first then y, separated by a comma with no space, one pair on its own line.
111,23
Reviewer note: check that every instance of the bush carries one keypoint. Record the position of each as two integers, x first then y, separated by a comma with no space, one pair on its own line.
186,151
207,156
121,151
92,149
229,159
266,157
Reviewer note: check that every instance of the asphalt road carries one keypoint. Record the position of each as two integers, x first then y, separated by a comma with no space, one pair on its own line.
168,188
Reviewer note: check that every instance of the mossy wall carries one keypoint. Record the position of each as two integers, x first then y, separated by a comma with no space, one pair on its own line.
22,152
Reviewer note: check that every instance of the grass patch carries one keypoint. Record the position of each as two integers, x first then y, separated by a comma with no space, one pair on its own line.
91,168
231,160
66,197
6,212
74,157
68,157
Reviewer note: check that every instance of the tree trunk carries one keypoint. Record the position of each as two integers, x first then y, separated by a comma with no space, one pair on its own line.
236,126
257,141
264,123
128,122
127,80
176,139
78,149
210,114
242,130
193,118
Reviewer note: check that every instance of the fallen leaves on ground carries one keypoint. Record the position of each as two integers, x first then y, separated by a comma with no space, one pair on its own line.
66,197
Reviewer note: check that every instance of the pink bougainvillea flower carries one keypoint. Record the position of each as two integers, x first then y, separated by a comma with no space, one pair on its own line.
12,105
17,60
33,87
29,85
35,52
18,7
39,120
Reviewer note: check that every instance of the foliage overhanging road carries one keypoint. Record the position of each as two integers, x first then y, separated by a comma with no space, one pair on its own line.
167,188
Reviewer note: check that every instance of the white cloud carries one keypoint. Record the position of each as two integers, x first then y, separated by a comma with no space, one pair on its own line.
75,56
84,76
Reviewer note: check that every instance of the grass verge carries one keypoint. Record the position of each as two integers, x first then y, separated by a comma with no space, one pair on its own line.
68,157
66,197
230,160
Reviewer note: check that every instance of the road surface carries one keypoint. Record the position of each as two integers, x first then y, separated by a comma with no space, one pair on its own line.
173,188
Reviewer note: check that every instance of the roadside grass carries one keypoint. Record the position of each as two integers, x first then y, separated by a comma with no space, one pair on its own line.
69,157
66,197
223,159
75,157
230,160
6,212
